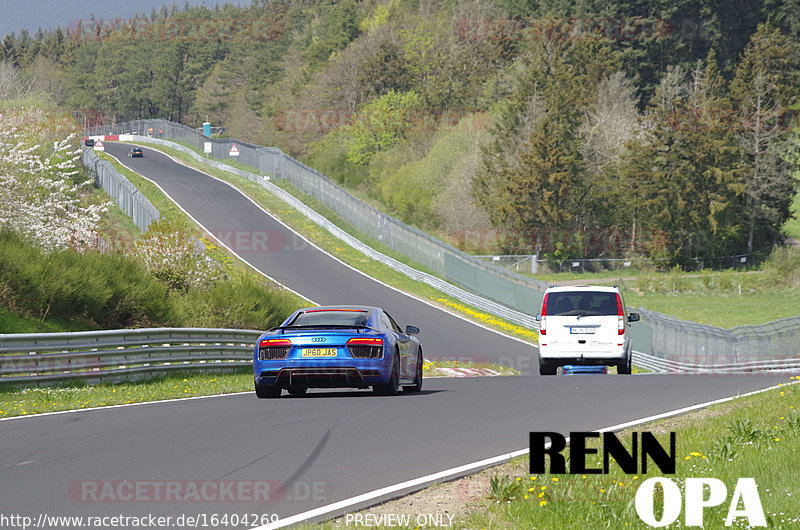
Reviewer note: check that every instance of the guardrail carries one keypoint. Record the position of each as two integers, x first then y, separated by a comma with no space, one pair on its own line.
657,364
121,355
124,193
134,354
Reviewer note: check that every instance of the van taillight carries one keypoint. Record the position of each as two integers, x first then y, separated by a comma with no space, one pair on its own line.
542,322
620,317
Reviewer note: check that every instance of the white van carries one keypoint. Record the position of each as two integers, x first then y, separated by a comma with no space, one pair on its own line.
584,325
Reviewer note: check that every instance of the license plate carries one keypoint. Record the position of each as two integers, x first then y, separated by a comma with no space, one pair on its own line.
319,352
581,331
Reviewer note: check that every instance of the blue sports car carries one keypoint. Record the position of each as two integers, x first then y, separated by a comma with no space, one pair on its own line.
338,346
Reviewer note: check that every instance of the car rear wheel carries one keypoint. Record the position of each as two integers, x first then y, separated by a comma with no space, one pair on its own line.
297,391
624,367
390,388
417,386
268,391
547,368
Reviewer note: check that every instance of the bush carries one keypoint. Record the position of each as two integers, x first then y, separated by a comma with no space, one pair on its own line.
241,303
113,291
782,267
109,290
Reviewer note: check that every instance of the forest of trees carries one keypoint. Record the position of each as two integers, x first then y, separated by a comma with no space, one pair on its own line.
573,128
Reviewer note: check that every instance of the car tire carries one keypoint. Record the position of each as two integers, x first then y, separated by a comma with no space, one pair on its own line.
390,388
268,391
547,369
297,391
624,368
417,386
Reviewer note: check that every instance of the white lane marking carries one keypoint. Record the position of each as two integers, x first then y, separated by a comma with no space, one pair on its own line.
106,407
276,282
457,315
24,463
335,509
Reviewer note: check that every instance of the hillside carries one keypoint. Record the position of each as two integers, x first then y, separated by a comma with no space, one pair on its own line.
563,128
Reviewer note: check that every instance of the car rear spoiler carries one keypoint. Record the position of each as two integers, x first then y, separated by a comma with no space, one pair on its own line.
324,326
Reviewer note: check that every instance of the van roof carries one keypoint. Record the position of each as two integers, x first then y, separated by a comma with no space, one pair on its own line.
598,288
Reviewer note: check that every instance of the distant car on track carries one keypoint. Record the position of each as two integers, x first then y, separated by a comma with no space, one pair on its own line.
135,152
338,346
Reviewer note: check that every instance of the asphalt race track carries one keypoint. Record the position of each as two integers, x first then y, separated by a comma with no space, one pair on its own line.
323,447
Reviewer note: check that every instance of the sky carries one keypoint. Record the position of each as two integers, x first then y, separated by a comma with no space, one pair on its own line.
32,14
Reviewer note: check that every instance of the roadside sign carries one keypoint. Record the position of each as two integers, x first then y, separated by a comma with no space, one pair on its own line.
234,150
98,145
207,148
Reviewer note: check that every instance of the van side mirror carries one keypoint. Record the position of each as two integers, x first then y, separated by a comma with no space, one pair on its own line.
538,317
633,317
412,330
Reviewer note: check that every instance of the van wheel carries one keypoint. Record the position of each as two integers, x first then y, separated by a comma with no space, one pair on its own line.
547,369
624,367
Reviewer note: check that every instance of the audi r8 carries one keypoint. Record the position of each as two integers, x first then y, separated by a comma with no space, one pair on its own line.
338,346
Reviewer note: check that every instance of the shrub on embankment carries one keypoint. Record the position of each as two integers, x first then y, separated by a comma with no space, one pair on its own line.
113,291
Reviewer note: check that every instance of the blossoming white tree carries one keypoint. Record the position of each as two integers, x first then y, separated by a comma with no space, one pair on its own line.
40,192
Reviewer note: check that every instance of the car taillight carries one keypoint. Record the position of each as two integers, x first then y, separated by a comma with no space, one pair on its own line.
620,317
366,347
266,343
271,349
543,321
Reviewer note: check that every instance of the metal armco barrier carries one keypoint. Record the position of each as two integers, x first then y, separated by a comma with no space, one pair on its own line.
124,193
674,345
121,355
657,364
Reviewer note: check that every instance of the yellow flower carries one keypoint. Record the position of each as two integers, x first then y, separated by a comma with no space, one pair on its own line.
544,488
695,453
777,439
555,479
526,496
542,503
541,495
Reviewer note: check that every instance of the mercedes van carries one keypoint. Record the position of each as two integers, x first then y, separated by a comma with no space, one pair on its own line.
584,325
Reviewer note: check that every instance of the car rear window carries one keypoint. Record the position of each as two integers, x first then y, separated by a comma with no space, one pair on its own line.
328,317
574,303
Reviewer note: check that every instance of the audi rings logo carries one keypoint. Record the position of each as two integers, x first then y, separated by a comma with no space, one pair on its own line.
318,339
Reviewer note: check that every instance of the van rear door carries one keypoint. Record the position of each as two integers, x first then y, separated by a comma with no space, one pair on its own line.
583,323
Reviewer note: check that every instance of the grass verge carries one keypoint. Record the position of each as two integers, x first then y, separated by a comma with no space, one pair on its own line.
755,436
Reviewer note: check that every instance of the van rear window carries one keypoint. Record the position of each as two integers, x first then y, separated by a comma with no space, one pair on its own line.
586,303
